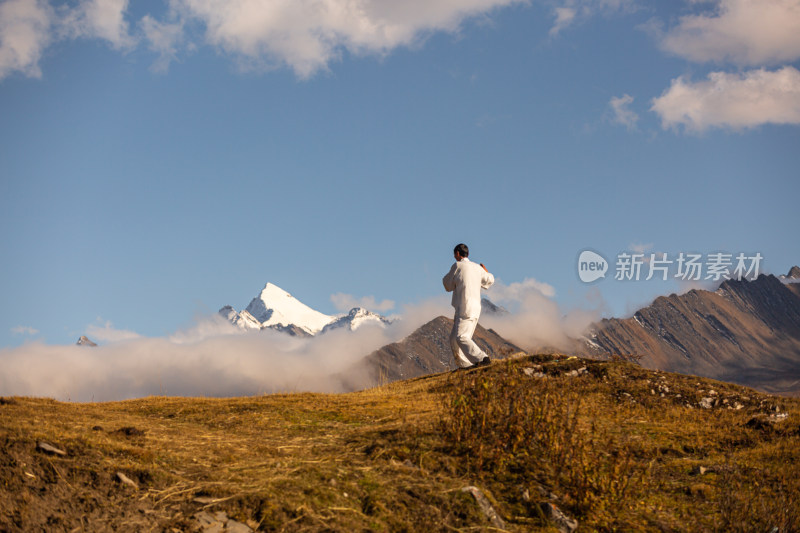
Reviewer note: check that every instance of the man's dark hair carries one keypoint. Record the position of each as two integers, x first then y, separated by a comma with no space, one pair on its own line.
462,249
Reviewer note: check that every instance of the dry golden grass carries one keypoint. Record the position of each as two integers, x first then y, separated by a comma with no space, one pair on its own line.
605,446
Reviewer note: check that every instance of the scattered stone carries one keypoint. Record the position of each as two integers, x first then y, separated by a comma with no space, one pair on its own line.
707,403
561,521
485,506
575,373
533,372
49,448
126,480
699,470
209,523
130,432
220,523
232,526
738,406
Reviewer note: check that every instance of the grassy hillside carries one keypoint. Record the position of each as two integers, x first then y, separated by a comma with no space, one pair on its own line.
610,444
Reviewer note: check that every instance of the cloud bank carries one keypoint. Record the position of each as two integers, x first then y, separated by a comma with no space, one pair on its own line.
210,359
213,358
304,35
737,101
745,32
536,320
307,34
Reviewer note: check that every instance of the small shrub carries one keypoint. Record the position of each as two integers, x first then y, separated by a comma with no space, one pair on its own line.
509,424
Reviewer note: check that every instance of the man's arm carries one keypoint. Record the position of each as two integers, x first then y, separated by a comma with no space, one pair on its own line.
449,280
487,279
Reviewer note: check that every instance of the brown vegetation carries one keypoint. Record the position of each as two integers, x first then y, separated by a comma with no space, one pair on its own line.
612,445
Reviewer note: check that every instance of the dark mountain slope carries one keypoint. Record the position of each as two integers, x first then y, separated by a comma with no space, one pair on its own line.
746,332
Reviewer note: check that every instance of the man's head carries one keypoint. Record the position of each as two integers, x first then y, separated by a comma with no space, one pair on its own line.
461,251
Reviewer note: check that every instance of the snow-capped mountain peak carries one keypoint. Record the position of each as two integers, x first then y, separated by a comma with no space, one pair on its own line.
357,317
276,307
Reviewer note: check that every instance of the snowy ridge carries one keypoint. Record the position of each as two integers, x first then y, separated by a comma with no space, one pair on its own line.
274,308
357,317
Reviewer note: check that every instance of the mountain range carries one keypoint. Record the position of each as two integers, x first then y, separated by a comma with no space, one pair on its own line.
274,308
425,351
745,332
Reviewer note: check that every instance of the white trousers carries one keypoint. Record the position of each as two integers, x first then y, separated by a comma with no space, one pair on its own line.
465,351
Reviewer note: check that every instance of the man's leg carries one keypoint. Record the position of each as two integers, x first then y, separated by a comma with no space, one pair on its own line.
465,351
458,354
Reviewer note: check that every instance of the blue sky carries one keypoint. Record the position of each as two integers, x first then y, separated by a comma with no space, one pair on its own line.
159,160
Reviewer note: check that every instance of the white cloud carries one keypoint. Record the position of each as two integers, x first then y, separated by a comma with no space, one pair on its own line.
736,101
106,332
571,11
516,290
208,359
164,38
24,34
622,112
28,27
746,32
345,302
213,358
307,34
24,330
640,248
100,19
564,17
536,321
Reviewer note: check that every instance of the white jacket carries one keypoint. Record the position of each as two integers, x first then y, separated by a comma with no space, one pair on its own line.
465,280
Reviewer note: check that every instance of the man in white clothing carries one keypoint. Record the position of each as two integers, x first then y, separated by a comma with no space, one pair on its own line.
465,280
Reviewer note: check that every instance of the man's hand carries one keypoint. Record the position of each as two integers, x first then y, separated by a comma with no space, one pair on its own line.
484,267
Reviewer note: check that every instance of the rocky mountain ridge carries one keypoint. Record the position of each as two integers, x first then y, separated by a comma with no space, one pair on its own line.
426,351
745,332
